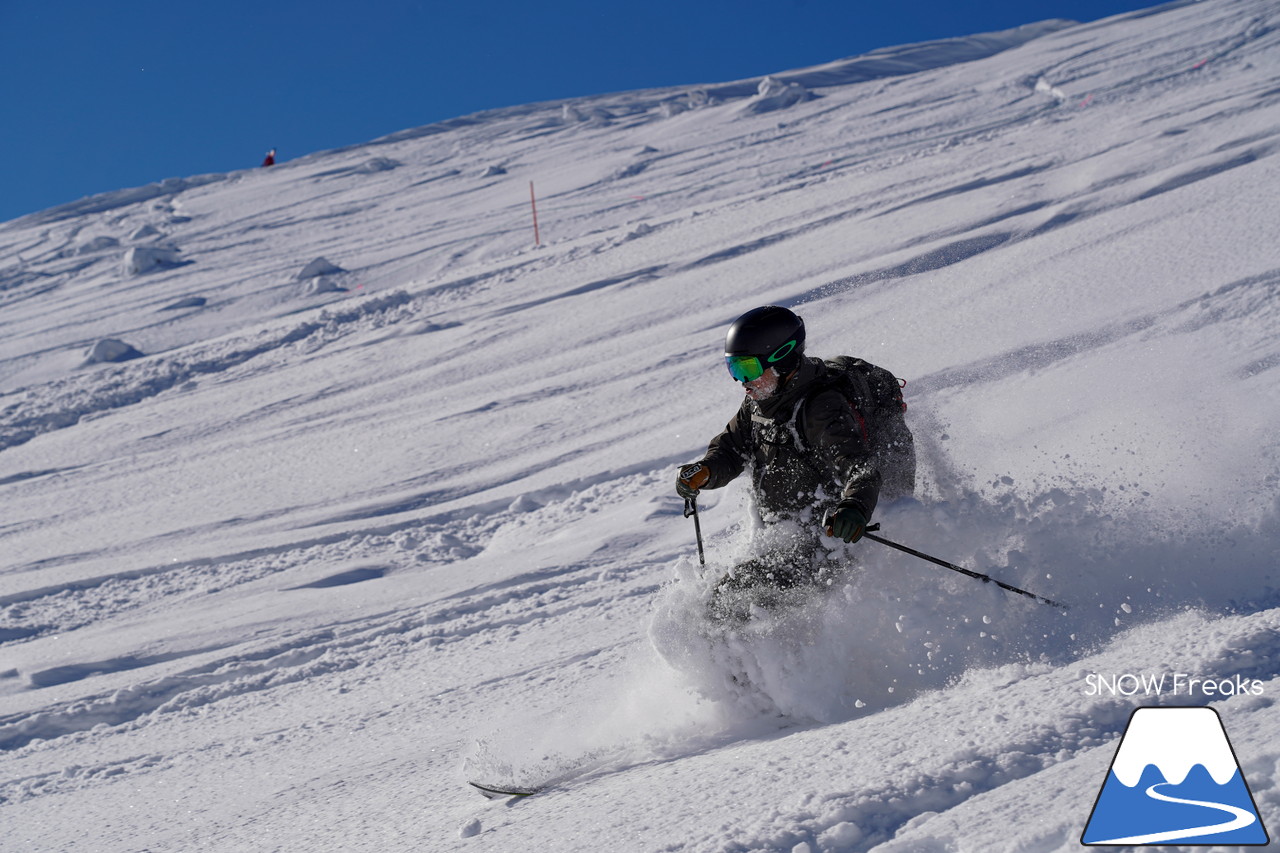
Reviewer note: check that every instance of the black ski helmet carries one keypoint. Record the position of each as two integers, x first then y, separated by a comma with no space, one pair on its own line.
773,334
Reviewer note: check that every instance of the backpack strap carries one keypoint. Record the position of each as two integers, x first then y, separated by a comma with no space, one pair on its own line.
836,380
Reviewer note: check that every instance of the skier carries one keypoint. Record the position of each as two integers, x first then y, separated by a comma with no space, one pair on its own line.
270,159
805,438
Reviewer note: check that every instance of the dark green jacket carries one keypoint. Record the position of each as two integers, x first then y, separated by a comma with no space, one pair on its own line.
787,478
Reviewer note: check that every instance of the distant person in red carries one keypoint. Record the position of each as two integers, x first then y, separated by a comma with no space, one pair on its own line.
271,158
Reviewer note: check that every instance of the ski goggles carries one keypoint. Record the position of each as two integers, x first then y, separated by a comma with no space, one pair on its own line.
744,368
749,368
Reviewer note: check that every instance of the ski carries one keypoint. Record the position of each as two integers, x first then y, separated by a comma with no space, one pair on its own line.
493,792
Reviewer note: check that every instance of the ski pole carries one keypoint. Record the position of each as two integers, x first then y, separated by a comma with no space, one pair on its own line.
961,569
691,509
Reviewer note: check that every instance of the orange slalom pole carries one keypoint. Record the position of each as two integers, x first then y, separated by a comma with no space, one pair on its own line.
533,202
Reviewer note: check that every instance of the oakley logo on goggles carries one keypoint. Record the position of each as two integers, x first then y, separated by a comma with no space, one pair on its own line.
749,368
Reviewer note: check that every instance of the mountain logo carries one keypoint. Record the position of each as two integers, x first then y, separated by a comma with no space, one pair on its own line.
1174,779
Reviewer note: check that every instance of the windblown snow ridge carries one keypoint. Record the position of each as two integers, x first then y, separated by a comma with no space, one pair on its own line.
103,202
63,403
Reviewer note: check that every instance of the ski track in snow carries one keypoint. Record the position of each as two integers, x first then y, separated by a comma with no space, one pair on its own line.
334,542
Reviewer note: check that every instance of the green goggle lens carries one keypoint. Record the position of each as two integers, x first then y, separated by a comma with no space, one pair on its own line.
748,368
744,368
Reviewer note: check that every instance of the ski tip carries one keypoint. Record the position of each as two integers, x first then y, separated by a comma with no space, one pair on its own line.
493,792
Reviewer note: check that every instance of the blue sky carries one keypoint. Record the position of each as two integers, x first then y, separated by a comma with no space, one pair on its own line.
99,96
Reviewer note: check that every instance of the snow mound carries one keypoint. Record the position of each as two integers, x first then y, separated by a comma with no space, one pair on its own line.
96,244
319,267
1044,87
376,165
594,116
322,284
144,259
695,100
145,232
641,229
110,350
774,94
630,170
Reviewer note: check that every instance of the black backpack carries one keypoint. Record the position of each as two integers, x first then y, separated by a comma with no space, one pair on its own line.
875,395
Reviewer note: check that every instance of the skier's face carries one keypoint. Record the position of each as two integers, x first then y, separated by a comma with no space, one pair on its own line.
764,387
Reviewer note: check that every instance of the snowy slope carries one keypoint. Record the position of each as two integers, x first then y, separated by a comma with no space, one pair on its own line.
335,543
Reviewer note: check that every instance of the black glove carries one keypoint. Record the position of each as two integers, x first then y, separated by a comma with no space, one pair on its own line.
845,522
692,478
